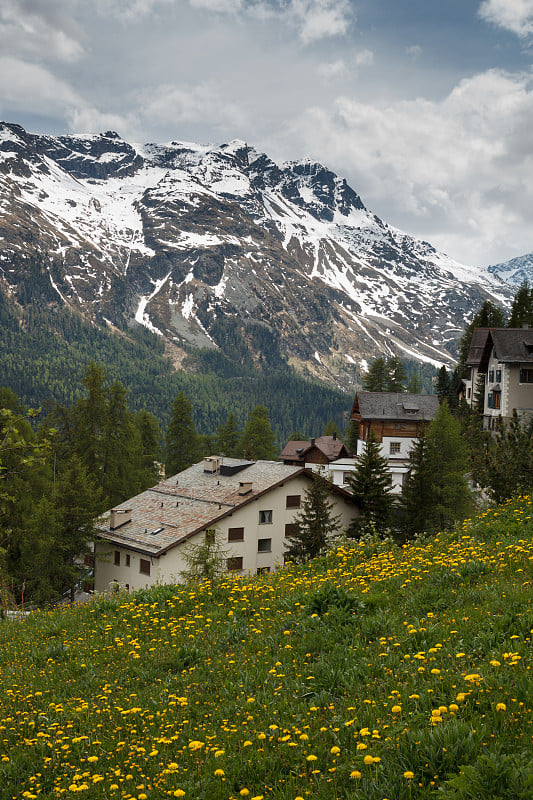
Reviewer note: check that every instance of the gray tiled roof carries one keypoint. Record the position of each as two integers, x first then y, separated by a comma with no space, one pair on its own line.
397,405
190,501
511,346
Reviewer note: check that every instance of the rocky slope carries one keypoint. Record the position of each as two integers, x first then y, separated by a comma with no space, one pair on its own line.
194,241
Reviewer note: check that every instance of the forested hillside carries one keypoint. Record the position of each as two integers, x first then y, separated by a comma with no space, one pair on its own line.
46,349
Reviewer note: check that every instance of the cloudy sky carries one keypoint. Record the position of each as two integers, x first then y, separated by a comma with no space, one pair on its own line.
425,106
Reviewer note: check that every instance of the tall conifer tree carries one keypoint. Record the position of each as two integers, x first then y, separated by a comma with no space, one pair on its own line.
370,486
182,444
314,524
257,440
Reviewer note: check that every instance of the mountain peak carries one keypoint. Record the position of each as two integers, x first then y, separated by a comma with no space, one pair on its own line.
204,244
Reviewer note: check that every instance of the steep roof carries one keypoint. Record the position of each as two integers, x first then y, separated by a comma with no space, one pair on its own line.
186,503
395,405
511,346
330,446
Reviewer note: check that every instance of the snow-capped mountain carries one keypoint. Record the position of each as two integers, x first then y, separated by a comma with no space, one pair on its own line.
515,271
180,237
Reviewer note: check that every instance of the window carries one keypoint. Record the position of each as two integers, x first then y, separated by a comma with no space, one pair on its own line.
526,376
489,400
235,534
128,559
262,570
346,477
116,561
265,517
395,447
290,528
498,376
88,560
293,501
144,566
491,376
468,393
264,545
234,564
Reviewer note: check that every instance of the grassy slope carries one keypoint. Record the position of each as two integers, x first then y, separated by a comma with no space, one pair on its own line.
287,686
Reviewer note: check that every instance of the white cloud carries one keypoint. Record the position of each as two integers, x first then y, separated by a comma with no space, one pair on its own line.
462,164
33,88
43,31
174,105
513,15
317,19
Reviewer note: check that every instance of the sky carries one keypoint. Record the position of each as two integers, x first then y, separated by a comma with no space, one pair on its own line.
425,106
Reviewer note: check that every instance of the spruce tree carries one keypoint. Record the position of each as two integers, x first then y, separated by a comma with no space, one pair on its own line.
314,524
257,440
522,308
371,485
437,492
396,375
227,437
351,436
442,384
377,377
182,445
416,499
510,463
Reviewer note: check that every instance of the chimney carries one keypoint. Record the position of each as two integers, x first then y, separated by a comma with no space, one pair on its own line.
119,517
245,487
313,442
334,435
212,464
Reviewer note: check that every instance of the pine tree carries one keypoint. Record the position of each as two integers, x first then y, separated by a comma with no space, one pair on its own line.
436,492
396,376
510,463
227,437
257,440
371,485
330,428
150,448
416,499
182,446
89,420
442,384
522,308
351,436
377,377
314,524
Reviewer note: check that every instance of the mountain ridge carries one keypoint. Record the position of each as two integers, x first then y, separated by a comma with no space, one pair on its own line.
185,239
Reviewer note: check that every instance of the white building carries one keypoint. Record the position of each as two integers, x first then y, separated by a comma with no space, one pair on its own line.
500,363
251,504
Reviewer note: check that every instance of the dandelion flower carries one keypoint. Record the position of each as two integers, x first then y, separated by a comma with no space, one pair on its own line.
409,775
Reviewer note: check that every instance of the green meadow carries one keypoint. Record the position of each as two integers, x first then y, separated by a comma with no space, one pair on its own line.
375,672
